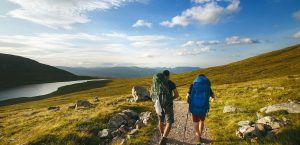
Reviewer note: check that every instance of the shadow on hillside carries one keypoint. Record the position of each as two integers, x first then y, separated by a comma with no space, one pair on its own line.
289,136
68,139
61,91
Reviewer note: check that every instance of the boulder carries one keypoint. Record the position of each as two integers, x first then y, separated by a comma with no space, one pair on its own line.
140,93
123,129
116,121
245,122
245,132
131,114
138,124
82,103
145,117
259,130
105,133
289,107
266,120
229,109
54,108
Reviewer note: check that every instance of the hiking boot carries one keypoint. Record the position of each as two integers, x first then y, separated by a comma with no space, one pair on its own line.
163,141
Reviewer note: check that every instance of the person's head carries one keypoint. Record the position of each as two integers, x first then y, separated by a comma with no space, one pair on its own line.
166,74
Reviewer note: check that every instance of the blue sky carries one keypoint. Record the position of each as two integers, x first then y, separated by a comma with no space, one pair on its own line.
146,33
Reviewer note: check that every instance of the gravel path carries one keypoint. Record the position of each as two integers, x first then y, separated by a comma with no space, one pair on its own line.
176,136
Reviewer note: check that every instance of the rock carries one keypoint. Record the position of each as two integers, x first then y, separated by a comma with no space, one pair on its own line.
258,115
54,108
266,120
145,117
263,109
96,99
244,123
105,133
138,124
131,114
245,132
72,107
134,131
270,89
82,103
254,140
285,121
116,121
259,130
289,107
140,93
275,125
116,133
229,109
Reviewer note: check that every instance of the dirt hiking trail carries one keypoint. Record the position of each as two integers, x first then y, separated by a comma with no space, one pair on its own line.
176,136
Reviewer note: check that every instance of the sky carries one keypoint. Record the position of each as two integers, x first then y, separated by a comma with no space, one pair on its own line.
146,33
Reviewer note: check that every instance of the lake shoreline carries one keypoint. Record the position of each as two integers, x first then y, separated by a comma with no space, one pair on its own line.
60,91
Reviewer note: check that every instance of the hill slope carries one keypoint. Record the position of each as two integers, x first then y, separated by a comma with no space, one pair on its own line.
16,70
124,72
256,74
273,64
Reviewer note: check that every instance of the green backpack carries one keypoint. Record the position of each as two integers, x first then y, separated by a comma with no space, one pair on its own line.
160,90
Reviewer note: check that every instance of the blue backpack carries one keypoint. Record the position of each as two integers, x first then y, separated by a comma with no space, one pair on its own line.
199,97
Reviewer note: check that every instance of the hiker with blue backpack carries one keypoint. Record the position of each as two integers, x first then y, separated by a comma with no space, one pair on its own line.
163,92
198,99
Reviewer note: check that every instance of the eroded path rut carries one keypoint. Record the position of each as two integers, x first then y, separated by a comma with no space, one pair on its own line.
176,136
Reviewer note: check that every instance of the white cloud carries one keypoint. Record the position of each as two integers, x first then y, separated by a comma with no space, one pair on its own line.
200,43
193,51
296,35
141,40
207,12
177,20
238,40
82,49
296,15
61,13
142,23
201,1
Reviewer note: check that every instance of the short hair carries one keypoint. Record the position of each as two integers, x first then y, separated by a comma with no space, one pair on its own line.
166,73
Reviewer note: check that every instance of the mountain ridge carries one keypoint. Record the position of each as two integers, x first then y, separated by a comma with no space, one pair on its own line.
125,72
18,70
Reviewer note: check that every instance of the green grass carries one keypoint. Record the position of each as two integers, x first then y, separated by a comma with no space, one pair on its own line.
31,122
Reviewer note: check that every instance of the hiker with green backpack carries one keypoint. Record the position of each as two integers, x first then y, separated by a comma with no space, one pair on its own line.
162,91
198,99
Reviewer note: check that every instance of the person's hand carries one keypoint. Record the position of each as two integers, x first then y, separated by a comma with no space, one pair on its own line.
213,99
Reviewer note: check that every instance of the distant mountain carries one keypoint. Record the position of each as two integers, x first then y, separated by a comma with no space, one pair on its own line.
121,72
16,71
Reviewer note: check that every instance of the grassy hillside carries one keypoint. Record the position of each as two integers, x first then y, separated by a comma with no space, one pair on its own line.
273,64
32,123
16,70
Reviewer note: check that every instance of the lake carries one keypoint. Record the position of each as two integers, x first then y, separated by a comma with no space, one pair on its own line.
36,89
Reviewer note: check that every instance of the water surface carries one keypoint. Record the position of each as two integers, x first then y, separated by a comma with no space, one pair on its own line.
36,89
